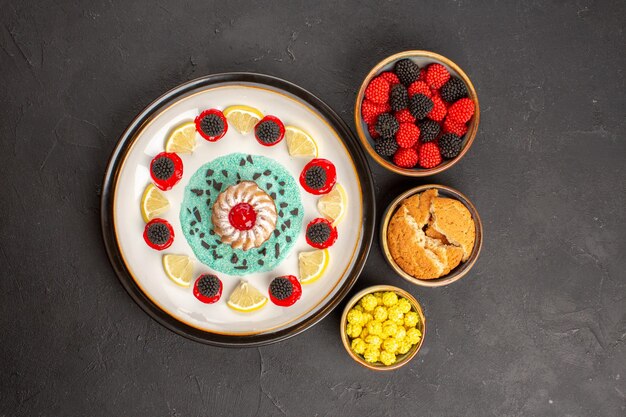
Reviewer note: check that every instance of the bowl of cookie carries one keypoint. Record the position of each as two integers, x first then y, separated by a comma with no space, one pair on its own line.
431,235
417,113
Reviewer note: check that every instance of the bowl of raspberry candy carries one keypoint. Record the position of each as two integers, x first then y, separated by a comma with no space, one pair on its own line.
417,113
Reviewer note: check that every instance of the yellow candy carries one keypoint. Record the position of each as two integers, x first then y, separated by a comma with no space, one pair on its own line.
374,327
358,346
368,302
394,314
358,307
371,354
354,316
389,328
400,334
404,305
373,340
380,313
413,335
366,317
364,333
391,345
353,330
390,298
379,300
405,346
387,358
411,319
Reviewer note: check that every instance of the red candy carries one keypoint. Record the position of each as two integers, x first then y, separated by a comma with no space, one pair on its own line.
296,292
331,176
311,238
201,116
203,298
156,245
167,183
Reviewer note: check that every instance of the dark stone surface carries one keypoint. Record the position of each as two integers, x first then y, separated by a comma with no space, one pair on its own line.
537,328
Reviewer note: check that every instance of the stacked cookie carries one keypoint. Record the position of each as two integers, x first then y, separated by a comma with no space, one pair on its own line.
429,235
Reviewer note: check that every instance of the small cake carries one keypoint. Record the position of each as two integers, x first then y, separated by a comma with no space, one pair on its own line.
428,236
244,215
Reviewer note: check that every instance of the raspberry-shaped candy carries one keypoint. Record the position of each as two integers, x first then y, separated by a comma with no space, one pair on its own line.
404,116
439,110
419,87
450,145
211,124
407,135
452,126
406,157
372,131
285,291
429,155
320,233
386,147
370,111
391,78
407,71
207,288
429,130
420,105
462,110
166,169
269,131
387,125
436,76
453,90
378,90
398,97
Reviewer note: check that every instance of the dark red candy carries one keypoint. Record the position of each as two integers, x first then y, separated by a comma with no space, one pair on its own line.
166,169
207,288
211,125
285,291
158,234
320,233
318,176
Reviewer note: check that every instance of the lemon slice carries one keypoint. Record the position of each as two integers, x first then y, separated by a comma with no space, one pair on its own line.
334,204
246,298
153,203
312,265
299,143
182,139
179,268
242,118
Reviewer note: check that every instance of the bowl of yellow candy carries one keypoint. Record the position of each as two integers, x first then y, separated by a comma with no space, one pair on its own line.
383,327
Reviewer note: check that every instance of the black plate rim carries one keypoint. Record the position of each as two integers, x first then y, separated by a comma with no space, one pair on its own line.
119,155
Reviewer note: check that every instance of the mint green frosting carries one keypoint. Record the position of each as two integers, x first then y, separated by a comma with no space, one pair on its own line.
200,195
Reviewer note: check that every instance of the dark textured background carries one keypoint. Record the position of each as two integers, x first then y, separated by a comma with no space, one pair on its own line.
536,329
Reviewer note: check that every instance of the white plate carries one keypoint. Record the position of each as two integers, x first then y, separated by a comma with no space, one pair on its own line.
129,175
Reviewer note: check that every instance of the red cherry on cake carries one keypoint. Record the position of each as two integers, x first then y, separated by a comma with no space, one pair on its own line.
320,233
242,216
166,169
211,125
318,176
207,288
269,131
285,291
158,234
